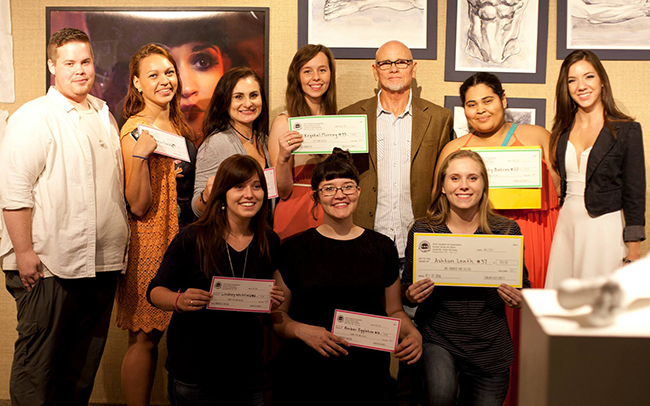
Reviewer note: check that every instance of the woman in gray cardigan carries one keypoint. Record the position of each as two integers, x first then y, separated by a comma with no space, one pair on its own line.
236,122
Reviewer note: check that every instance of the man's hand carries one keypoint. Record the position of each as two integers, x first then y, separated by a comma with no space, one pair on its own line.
29,267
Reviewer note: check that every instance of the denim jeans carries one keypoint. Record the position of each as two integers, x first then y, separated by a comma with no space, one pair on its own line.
212,394
447,382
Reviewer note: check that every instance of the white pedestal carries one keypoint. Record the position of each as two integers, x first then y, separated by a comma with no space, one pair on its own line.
565,362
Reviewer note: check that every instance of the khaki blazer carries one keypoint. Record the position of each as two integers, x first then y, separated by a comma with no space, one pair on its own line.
432,129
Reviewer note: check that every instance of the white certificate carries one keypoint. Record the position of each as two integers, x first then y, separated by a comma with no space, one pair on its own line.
271,184
512,167
171,145
367,330
243,295
484,260
322,133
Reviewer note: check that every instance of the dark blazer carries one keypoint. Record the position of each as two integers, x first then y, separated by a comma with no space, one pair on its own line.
615,175
432,127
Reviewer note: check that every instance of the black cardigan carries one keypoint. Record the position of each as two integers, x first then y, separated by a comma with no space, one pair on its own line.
615,175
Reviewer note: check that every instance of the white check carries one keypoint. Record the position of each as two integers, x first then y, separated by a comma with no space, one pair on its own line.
271,183
469,260
367,330
322,133
243,295
171,145
512,167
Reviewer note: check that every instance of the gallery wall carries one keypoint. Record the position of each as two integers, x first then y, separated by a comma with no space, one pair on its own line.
630,81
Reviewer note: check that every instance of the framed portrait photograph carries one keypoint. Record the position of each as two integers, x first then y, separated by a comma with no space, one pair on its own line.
355,29
509,40
612,29
205,43
520,111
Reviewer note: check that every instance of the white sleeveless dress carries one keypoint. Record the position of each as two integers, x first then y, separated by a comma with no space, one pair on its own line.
583,246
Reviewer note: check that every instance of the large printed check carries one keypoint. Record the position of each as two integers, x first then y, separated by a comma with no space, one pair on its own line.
171,145
512,167
367,330
322,133
469,260
244,295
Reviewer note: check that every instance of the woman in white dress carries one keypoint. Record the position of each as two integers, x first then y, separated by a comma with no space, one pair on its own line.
598,152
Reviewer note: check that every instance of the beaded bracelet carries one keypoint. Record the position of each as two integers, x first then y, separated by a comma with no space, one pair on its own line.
176,303
141,157
201,197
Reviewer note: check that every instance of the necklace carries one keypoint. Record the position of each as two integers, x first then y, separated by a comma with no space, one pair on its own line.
232,270
249,139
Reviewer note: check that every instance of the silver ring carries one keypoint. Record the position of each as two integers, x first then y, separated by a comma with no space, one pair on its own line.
191,302
288,142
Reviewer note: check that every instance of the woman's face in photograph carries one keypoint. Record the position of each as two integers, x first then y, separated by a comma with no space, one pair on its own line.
200,66
463,184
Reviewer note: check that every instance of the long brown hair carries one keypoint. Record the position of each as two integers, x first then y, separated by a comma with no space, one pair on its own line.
295,98
135,103
213,226
565,107
217,117
439,210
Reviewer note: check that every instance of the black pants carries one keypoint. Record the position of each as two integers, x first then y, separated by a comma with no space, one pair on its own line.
62,329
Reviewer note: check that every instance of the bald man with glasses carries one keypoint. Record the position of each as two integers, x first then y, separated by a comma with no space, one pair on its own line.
405,137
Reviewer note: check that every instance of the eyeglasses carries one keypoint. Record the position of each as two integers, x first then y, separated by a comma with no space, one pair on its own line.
347,189
399,63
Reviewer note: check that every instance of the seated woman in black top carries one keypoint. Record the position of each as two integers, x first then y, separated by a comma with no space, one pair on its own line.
214,356
467,348
337,265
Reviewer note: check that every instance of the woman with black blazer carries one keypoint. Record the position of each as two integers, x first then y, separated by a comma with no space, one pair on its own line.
598,152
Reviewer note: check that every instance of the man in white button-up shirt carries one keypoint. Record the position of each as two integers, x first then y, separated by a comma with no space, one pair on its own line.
405,137
66,229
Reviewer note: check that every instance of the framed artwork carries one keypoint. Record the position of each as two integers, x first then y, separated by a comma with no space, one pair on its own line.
509,40
520,111
205,42
355,29
612,29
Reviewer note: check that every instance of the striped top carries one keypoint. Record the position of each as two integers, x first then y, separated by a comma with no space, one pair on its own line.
470,323
394,207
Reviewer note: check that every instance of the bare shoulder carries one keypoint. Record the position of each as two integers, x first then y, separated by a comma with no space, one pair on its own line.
280,125
452,146
532,134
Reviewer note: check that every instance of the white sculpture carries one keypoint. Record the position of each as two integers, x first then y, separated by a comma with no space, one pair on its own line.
609,296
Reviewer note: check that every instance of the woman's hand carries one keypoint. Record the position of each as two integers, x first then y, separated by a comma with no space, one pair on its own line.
288,142
208,188
277,297
512,296
409,349
193,299
145,145
321,340
420,290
